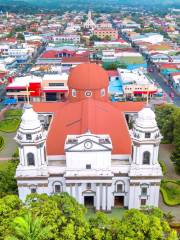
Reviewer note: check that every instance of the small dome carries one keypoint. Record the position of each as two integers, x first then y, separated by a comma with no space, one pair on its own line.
88,76
29,119
146,114
146,118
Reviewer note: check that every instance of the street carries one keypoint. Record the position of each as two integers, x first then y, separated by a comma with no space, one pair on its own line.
165,87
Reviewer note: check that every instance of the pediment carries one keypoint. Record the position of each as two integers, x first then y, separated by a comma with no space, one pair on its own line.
89,145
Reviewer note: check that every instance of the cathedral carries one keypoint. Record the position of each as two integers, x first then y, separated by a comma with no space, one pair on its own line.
85,147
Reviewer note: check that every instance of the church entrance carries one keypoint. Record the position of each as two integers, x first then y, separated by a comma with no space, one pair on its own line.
119,201
89,201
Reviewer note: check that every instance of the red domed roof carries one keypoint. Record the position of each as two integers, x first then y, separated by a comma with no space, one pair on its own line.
88,76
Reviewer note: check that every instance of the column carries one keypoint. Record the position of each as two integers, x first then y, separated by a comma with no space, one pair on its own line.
68,188
97,197
74,190
80,198
104,197
109,197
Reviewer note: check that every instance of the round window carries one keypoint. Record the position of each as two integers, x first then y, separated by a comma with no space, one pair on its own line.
88,93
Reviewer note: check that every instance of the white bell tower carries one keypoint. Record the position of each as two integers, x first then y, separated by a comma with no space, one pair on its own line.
31,140
145,172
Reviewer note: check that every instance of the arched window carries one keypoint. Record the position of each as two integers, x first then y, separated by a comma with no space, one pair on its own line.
73,92
30,159
146,157
57,187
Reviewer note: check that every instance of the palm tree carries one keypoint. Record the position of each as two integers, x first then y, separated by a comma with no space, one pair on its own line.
29,228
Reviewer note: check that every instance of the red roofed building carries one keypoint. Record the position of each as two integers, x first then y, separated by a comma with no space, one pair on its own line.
88,149
54,56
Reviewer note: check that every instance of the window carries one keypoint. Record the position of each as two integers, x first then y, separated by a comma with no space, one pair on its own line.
33,190
88,166
56,84
28,137
73,92
57,188
147,135
88,93
146,158
30,159
88,185
103,92
143,202
119,187
144,191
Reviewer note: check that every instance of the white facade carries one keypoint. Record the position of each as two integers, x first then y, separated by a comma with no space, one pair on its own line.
89,171
89,22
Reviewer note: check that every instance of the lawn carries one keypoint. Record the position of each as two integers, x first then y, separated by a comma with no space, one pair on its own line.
116,212
132,60
171,192
13,113
9,125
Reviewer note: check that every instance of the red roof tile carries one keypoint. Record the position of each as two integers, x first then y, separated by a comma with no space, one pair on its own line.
95,116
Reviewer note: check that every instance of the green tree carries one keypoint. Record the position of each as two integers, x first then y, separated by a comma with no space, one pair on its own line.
165,121
94,38
20,36
61,212
29,228
10,207
8,184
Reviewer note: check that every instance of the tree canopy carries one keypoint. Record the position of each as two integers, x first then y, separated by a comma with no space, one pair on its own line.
168,119
59,216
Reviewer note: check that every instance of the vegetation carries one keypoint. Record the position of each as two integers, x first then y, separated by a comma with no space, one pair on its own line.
13,113
113,65
171,192
8,183
168,121
60,217
9,125
1,143
163,166
20,36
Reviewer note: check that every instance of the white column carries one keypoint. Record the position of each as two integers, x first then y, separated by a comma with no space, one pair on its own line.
68,189
97,196
22,156
74,190
80,198
109,197
104,197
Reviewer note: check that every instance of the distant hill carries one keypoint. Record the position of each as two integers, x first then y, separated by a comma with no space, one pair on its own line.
64,5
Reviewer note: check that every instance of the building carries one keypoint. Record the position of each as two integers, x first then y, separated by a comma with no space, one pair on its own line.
89,24
67,38
153,38
84,147
106,33
136,83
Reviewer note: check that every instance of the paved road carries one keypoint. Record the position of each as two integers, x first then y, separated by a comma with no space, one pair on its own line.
166,88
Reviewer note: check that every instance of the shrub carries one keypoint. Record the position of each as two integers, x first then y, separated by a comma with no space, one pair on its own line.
170,190
1,143
163,166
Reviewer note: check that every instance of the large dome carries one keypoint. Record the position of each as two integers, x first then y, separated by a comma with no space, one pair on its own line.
88,76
